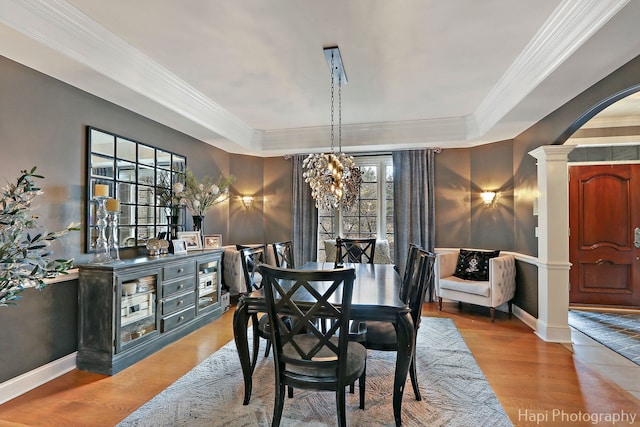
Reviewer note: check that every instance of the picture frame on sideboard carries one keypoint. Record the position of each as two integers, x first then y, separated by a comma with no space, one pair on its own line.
192,238
179,246
213,241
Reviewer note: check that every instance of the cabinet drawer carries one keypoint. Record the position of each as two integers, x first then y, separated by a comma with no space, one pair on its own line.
180,285
178,302
177,270
177,319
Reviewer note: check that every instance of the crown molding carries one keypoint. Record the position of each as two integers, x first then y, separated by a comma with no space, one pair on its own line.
572,23
60,26
367,137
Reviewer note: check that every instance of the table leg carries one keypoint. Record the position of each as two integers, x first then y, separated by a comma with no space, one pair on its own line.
405,333
240,322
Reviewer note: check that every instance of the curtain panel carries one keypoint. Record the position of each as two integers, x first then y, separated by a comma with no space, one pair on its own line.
305,215
414,206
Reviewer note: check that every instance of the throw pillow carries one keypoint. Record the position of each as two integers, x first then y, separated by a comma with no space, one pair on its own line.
474,265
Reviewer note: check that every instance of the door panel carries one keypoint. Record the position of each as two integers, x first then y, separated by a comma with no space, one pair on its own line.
603,213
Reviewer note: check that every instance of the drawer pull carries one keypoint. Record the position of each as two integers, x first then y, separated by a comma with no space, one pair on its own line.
180,319
180,302
180,270
181,285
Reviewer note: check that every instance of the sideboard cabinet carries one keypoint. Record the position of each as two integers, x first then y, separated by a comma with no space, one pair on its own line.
131,309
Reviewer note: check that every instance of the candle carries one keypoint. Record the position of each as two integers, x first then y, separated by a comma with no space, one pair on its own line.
113,205
101,190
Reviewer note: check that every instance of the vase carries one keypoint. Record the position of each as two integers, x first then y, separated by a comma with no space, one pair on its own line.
198,221
174,225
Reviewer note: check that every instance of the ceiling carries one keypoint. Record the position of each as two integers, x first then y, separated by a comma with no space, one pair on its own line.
250,76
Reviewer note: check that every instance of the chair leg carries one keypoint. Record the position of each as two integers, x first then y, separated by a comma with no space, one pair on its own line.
341,407
440,303
352,387
510,304
266,350
492,310
278,405
256,341
414,378
362,385
290,391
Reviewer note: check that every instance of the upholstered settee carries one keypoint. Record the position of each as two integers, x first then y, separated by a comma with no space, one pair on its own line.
499,289
232,274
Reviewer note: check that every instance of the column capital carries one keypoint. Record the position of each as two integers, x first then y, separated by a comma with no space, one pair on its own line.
552,152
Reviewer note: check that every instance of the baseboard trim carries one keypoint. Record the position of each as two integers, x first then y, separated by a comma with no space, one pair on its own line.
526,318
21,384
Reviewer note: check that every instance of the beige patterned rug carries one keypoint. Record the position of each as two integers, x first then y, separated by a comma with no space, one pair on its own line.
454,392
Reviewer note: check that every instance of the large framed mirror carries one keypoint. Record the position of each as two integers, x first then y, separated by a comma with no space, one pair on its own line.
140,177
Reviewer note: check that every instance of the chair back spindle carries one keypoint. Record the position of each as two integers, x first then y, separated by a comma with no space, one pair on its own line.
360,251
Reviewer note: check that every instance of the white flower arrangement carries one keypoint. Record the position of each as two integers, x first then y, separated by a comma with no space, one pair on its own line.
197,196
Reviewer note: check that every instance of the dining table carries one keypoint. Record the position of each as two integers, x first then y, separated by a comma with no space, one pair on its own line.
376,291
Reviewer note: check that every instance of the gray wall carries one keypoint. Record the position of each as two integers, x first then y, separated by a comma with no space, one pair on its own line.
462,220
43,328
42,122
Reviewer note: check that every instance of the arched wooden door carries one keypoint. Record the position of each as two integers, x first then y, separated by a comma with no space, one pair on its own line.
604,212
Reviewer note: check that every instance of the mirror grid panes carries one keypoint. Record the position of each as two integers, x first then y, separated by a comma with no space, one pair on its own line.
138,175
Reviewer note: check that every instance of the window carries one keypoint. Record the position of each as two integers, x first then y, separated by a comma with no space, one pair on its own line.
372,214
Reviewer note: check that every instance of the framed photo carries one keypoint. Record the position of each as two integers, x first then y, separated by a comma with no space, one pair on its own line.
192,239
213,241
179,246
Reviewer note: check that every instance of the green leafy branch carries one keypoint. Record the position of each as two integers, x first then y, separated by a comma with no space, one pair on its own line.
25,255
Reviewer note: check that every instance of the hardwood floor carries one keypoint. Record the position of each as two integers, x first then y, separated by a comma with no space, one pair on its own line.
531,378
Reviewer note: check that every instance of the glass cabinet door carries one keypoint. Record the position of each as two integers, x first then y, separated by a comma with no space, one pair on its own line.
208,292
138,300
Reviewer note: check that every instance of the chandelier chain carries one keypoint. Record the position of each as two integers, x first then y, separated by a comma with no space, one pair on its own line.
340,114
332,101
334,179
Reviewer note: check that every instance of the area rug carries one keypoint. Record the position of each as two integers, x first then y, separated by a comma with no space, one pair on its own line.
454,392
618,331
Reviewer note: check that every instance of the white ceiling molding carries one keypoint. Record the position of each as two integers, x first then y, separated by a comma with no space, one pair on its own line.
68,44
60,26
366,137
571,24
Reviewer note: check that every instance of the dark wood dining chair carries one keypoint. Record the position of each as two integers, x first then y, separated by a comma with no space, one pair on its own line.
382,335
305,356
283,253
409,271
252,257
359,251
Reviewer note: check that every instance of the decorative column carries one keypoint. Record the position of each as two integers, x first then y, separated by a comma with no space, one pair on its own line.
553,243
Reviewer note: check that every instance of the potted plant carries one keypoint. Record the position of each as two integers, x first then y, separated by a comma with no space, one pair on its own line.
25,256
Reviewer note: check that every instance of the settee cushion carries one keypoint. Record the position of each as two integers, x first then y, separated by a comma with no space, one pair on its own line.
453,283
474,265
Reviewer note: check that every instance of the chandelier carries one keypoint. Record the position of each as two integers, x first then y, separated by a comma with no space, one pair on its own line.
334,179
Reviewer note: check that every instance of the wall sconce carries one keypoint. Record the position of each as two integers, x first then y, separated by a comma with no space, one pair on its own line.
247,201
488,197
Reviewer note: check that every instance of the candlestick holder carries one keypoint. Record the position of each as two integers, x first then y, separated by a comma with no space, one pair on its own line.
101,255
114,250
